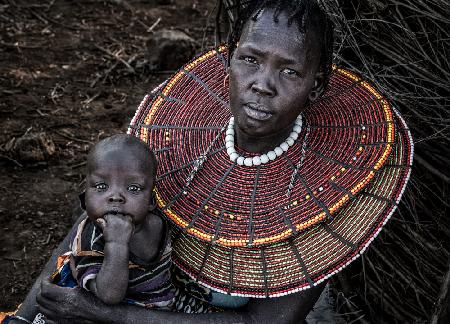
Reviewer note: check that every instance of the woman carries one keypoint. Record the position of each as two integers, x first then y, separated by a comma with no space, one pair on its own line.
274,201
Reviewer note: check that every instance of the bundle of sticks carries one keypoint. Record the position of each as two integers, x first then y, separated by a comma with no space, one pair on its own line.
402,47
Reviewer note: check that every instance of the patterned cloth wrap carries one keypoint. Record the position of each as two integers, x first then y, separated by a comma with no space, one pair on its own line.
190,296
149,283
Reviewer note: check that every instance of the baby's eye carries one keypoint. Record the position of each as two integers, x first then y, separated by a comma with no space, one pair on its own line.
101,186
134,188
290,72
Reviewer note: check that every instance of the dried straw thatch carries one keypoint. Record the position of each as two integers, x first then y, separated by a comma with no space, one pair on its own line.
403,47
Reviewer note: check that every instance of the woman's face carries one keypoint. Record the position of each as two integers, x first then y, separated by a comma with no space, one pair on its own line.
272,72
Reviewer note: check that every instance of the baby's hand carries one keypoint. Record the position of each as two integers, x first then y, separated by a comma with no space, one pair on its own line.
116,228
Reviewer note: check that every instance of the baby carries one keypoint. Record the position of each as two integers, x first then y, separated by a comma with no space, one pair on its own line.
121,251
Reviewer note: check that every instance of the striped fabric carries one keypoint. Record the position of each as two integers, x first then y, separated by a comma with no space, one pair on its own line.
149,284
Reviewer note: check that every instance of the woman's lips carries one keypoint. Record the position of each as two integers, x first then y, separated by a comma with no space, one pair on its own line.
256,111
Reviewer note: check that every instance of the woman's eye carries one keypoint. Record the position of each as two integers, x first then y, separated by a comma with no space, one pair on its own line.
101,186
290,72
134,188
249,59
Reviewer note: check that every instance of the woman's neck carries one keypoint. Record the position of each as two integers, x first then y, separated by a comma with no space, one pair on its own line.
258,144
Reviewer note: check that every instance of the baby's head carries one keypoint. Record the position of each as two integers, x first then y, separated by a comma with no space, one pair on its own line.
120,178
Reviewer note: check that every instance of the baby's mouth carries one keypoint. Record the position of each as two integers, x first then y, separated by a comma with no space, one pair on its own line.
114,211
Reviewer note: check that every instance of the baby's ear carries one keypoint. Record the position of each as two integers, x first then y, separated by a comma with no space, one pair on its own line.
82,198
152,205
318,87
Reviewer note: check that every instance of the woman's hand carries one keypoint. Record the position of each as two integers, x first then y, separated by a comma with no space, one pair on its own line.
66,305
73,305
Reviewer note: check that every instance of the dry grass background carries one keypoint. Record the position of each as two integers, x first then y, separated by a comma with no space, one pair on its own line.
403,47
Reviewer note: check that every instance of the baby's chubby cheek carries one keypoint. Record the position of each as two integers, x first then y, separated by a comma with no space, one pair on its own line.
93,211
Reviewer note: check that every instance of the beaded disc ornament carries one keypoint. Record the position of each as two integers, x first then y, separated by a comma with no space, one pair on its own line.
272,228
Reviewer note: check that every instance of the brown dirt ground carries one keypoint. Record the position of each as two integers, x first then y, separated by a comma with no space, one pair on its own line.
63,85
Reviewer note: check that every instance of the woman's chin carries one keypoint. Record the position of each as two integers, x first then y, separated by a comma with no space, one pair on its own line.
254,128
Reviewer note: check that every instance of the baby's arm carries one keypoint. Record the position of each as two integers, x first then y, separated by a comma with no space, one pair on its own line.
111,282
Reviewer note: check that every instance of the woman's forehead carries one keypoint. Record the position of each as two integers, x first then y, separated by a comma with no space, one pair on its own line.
269,23
275,37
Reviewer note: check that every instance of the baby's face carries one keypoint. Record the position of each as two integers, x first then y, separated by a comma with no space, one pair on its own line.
117,183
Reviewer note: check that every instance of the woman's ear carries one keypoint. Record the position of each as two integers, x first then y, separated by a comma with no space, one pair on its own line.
226,79
318,87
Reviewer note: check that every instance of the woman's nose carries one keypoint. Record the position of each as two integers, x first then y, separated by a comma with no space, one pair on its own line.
264,84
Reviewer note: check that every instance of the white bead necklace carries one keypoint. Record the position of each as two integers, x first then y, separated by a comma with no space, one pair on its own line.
263,158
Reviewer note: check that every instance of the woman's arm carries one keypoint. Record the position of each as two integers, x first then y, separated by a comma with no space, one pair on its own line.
29,307
72,305
77,305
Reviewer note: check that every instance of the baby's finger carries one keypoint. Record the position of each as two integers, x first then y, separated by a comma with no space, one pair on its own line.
101,222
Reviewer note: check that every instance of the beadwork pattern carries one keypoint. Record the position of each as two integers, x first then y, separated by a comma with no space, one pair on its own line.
236,206
312,256
238,230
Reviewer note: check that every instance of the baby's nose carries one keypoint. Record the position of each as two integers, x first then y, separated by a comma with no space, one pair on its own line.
116,197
